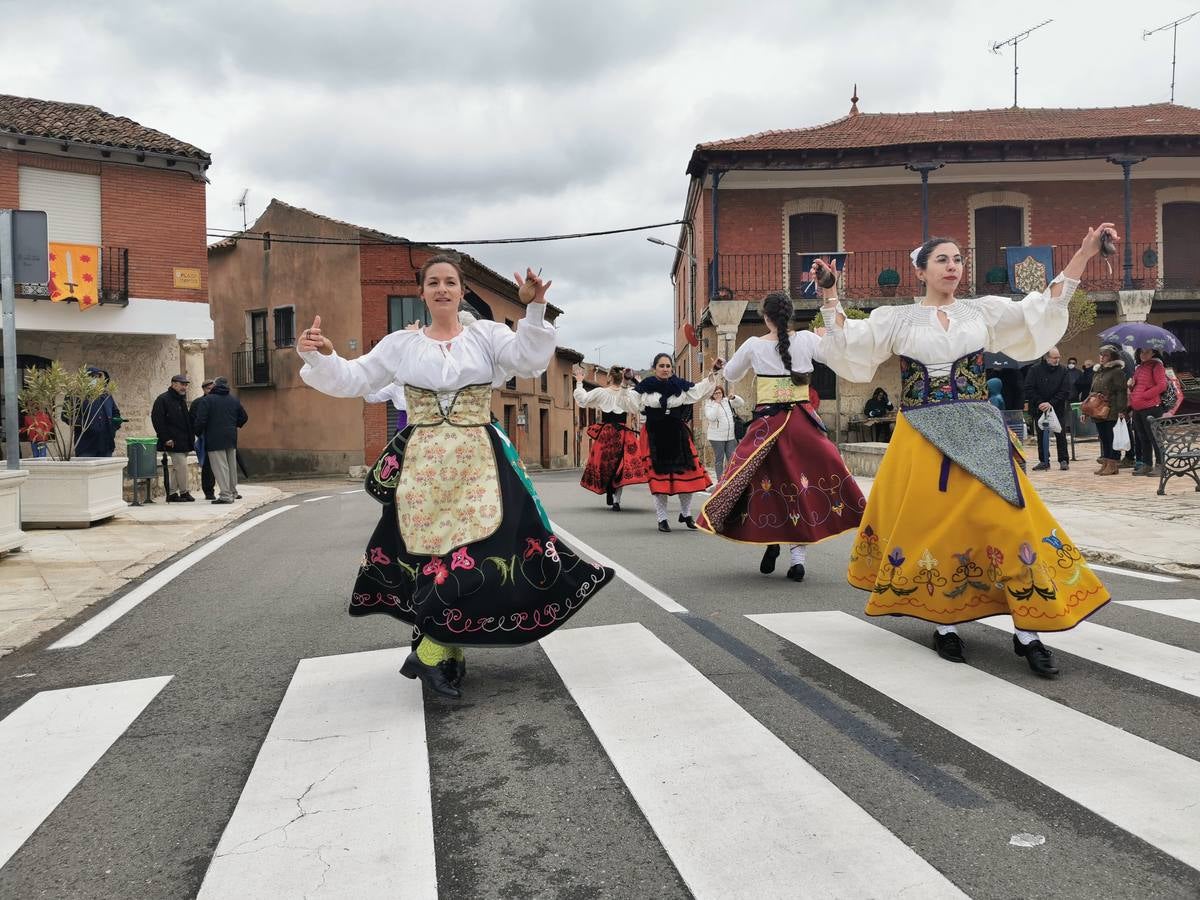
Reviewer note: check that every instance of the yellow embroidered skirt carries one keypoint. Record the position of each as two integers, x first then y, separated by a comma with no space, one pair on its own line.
963,553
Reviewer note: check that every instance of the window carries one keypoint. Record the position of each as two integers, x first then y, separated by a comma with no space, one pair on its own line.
567,389
564,443
545,383
285,326
403,311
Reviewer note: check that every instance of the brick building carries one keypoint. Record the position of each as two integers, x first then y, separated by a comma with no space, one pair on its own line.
873,185
125,206
292,264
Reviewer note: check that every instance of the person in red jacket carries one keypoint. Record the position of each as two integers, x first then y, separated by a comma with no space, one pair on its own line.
1146,390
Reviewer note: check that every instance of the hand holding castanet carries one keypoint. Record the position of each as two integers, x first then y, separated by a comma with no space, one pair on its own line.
312,339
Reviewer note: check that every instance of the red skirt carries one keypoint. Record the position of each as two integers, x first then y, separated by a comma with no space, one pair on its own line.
693,478
614,460
786,484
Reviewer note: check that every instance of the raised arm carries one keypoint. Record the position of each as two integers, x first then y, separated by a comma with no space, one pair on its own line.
324,370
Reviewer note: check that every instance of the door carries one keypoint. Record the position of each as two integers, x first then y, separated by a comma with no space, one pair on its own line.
1181,245
544,430
260,371
996,227
808,233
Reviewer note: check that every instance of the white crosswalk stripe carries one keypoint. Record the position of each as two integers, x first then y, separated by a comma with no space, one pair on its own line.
338,803
1141,657
51,741
1188,610
1137,785
739,813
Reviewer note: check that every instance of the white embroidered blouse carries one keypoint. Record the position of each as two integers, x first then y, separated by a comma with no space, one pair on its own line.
606,399
761,355
485,353
1023,329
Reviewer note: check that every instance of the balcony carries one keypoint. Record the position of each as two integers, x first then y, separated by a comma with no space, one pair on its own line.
751,276
252,368
114,276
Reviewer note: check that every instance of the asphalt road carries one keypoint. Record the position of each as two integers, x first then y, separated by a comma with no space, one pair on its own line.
528,801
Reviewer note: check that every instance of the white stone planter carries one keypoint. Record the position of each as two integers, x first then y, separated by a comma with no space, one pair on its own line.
71,494
11,534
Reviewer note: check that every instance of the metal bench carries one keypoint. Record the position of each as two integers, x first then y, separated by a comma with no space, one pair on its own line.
1179,439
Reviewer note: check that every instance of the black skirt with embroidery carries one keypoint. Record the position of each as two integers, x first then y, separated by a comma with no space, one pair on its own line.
513,587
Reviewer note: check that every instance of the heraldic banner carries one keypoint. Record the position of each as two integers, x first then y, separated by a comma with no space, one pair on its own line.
75,273
1029,268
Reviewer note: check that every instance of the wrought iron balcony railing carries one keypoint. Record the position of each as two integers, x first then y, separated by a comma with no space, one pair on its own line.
252,368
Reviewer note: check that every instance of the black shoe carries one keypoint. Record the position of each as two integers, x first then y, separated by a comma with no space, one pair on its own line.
210,496
796,572
949,646
663,526
616,507
222,500
608,498
1064,465
237,496
1041,467
434,676
186,497
456,671
688,521
767,566
173,498
1038,655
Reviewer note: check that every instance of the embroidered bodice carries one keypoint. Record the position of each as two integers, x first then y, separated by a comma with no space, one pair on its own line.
779,389
965,382
470,406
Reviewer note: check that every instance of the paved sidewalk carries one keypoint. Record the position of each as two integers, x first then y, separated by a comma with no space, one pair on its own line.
59,572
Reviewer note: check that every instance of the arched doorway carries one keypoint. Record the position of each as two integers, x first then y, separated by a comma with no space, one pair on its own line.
1181,245
996,227
808,232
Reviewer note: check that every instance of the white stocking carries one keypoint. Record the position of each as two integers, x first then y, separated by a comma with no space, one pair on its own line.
947,629
1027,637
660,507
685,505
799,554
617,495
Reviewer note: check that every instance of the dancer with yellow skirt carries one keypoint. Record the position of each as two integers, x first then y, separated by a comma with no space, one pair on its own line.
953,530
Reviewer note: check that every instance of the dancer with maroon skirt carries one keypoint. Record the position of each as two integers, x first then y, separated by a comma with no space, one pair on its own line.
786,482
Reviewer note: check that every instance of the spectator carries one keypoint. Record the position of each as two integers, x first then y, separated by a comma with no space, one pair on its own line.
217,421
1146,390
1048,387
1109,381
878,407
208,483
173,427
95,426
1083,384
719,413
995,388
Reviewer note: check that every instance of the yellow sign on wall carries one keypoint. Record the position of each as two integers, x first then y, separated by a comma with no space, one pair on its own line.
75,273
187,278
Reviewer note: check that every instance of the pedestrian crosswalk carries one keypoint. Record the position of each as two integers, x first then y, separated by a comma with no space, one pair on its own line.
339,801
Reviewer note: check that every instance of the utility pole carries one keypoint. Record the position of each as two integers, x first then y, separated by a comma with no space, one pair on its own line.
1174,26
1013,42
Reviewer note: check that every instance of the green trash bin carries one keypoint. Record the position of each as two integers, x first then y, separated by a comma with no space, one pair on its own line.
141,457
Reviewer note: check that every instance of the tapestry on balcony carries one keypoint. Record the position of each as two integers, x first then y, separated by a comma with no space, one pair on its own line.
1030,269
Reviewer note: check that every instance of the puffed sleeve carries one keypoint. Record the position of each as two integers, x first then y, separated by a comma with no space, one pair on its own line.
526,352
1026,329
855,349
359,377
739,364
394,393
697,392
585,398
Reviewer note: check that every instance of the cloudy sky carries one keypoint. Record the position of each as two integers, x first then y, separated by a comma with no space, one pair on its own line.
504,118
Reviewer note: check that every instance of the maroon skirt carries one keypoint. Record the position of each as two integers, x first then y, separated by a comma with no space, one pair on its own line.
786,484
614,460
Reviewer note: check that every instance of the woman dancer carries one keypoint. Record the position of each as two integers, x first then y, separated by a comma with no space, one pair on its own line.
666,441
786,482
953,530
463,551
719,413
613,461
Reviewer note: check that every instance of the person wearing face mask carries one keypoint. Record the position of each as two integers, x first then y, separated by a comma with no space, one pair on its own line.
464,551
1048,386
953,531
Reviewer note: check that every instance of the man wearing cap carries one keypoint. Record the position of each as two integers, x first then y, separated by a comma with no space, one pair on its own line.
218,420
173,426
208,482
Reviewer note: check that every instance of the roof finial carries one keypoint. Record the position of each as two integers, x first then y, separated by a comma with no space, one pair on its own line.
854,101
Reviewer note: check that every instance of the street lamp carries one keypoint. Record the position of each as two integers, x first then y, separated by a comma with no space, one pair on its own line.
598,349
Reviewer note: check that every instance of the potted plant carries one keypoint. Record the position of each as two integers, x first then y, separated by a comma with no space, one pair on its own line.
889,280
997,275
63,490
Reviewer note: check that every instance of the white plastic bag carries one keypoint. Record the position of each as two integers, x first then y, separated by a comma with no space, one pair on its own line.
1049,421
1121,435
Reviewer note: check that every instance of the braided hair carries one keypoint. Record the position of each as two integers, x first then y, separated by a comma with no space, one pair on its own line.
777,309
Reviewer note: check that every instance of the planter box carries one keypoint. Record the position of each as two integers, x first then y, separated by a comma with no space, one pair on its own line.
71,494
11,534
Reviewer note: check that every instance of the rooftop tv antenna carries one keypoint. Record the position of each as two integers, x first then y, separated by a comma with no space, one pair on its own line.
1174,26
1014,41
242,203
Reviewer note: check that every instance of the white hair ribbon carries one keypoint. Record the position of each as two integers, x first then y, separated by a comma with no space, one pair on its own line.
913,256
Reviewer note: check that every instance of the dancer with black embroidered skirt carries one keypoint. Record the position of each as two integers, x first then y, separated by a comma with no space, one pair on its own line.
786,482
463,552
953,530
666,442
613,460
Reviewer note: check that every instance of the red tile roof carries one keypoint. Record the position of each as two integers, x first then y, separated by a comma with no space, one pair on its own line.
866,130
84,124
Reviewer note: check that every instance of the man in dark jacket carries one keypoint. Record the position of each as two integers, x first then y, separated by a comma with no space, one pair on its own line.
208,483
173,426
95,426
1048,385
218,420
